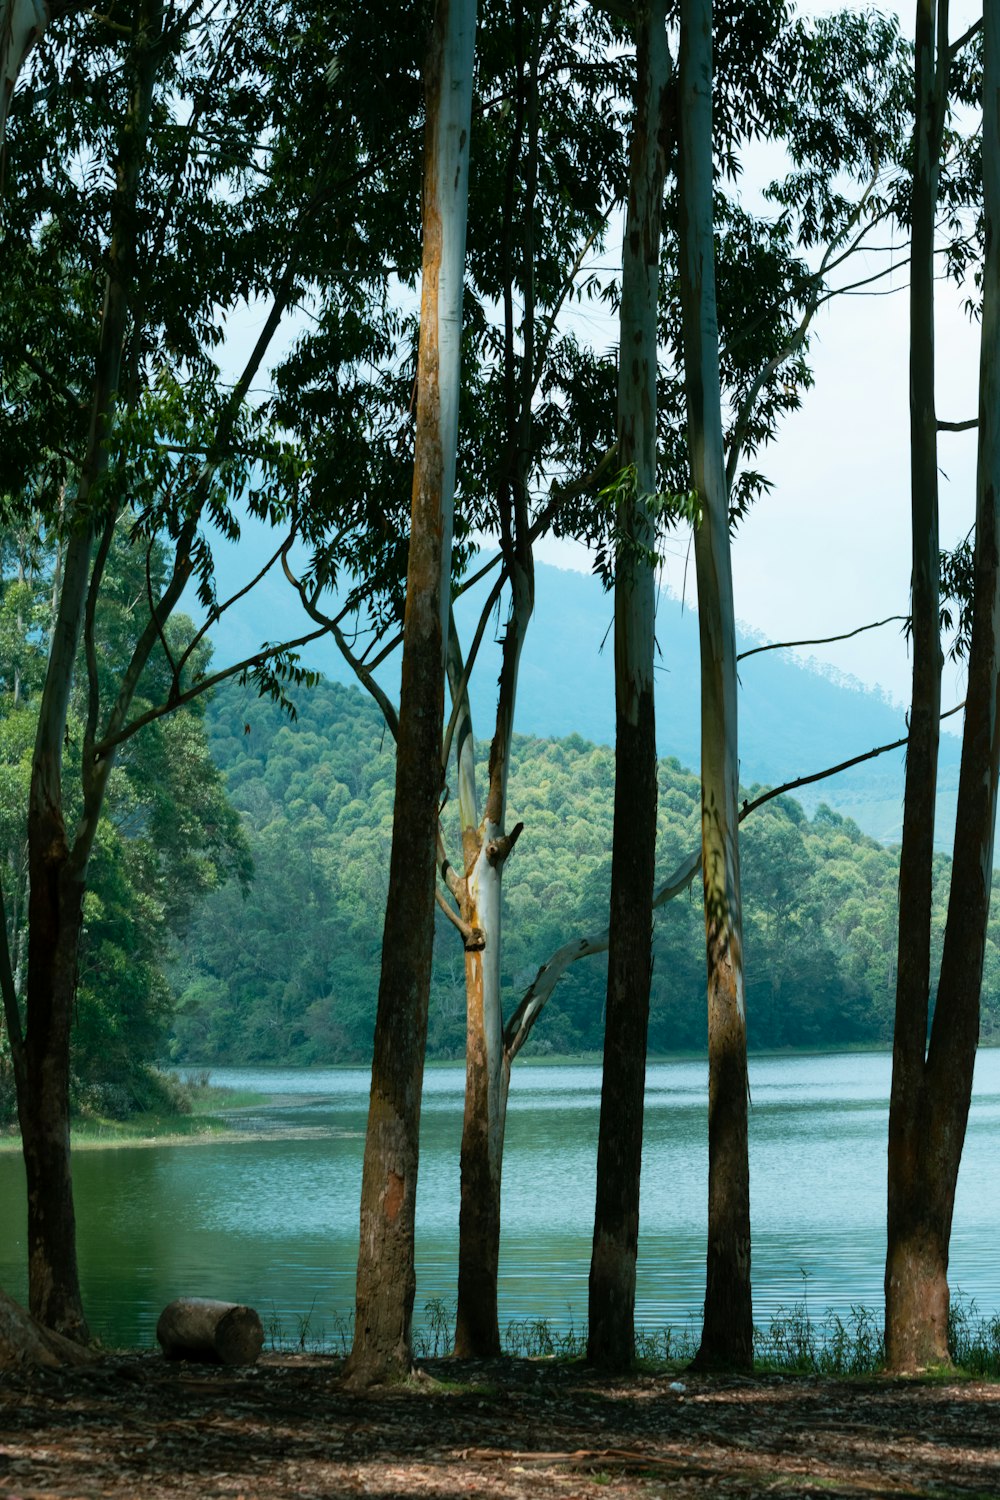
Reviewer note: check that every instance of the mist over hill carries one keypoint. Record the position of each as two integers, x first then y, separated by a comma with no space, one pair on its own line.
795,719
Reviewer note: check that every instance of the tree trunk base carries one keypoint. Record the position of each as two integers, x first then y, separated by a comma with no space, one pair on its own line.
24,1341
198,1328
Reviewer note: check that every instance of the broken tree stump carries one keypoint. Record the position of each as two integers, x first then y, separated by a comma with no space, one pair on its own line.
199,1328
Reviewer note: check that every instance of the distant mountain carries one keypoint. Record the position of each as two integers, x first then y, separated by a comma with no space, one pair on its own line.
794,719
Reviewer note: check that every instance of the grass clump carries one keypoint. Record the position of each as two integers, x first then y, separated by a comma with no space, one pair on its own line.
793,1342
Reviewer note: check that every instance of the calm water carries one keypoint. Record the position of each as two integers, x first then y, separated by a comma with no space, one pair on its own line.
272,1220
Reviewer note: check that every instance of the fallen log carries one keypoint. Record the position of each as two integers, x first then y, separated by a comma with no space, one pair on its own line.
199,1328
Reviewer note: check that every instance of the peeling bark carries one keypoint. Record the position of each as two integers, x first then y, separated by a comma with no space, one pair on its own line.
727,1332
611,1336
386,1277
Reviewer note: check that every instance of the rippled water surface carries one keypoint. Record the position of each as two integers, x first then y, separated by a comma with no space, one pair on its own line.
272,1219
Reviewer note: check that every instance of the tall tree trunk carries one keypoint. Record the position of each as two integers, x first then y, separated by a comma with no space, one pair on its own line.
487,845
930,1105
386,1277
916,1289
727,1333
611,1338
57,872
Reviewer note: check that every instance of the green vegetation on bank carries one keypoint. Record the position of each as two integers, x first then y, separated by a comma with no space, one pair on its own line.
793,1341
289,971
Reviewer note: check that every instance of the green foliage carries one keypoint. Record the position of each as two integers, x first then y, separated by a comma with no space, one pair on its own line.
290,971
168,835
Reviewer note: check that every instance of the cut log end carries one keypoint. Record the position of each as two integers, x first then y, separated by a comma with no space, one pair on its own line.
199,1328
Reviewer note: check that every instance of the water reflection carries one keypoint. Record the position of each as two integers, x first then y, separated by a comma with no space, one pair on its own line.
272,1218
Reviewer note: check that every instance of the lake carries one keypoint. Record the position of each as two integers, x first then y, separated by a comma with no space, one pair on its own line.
272,1219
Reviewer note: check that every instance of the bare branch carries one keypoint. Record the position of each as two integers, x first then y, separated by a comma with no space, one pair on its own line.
498,850
966,37
332,626
824,640
112,741
215,615
845,765
453,916
958,426
460,688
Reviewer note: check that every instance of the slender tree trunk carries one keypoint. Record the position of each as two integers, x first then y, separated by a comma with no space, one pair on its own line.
487,1068
611,1338
488,845
386,1276
57,871
727,1333
916,1288
477,1331
928,1133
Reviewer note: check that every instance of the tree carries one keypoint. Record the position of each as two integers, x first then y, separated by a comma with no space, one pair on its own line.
386,1276
570,427
727,1333
611,1336
932,1081
157,202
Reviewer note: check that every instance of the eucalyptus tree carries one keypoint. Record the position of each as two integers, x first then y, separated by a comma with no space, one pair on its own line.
727,1334
164,187
386,1276
933,1066
517,409
611,1339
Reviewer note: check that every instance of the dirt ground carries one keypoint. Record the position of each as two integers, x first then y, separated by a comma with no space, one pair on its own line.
134,1426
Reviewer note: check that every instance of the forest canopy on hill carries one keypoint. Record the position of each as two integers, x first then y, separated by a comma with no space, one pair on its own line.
289,971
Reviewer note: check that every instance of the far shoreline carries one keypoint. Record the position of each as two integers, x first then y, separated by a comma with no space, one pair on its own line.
211,1125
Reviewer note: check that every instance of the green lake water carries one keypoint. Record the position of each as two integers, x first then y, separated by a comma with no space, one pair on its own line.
271,1219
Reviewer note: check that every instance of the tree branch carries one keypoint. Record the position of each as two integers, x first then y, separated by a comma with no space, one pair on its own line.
332,626
112,741
966,37
460,688
215,615
468,933
824,640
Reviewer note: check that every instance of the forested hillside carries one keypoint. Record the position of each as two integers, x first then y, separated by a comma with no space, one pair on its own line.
290,972
793,719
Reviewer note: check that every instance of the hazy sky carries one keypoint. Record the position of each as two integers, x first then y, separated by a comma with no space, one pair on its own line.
828,549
